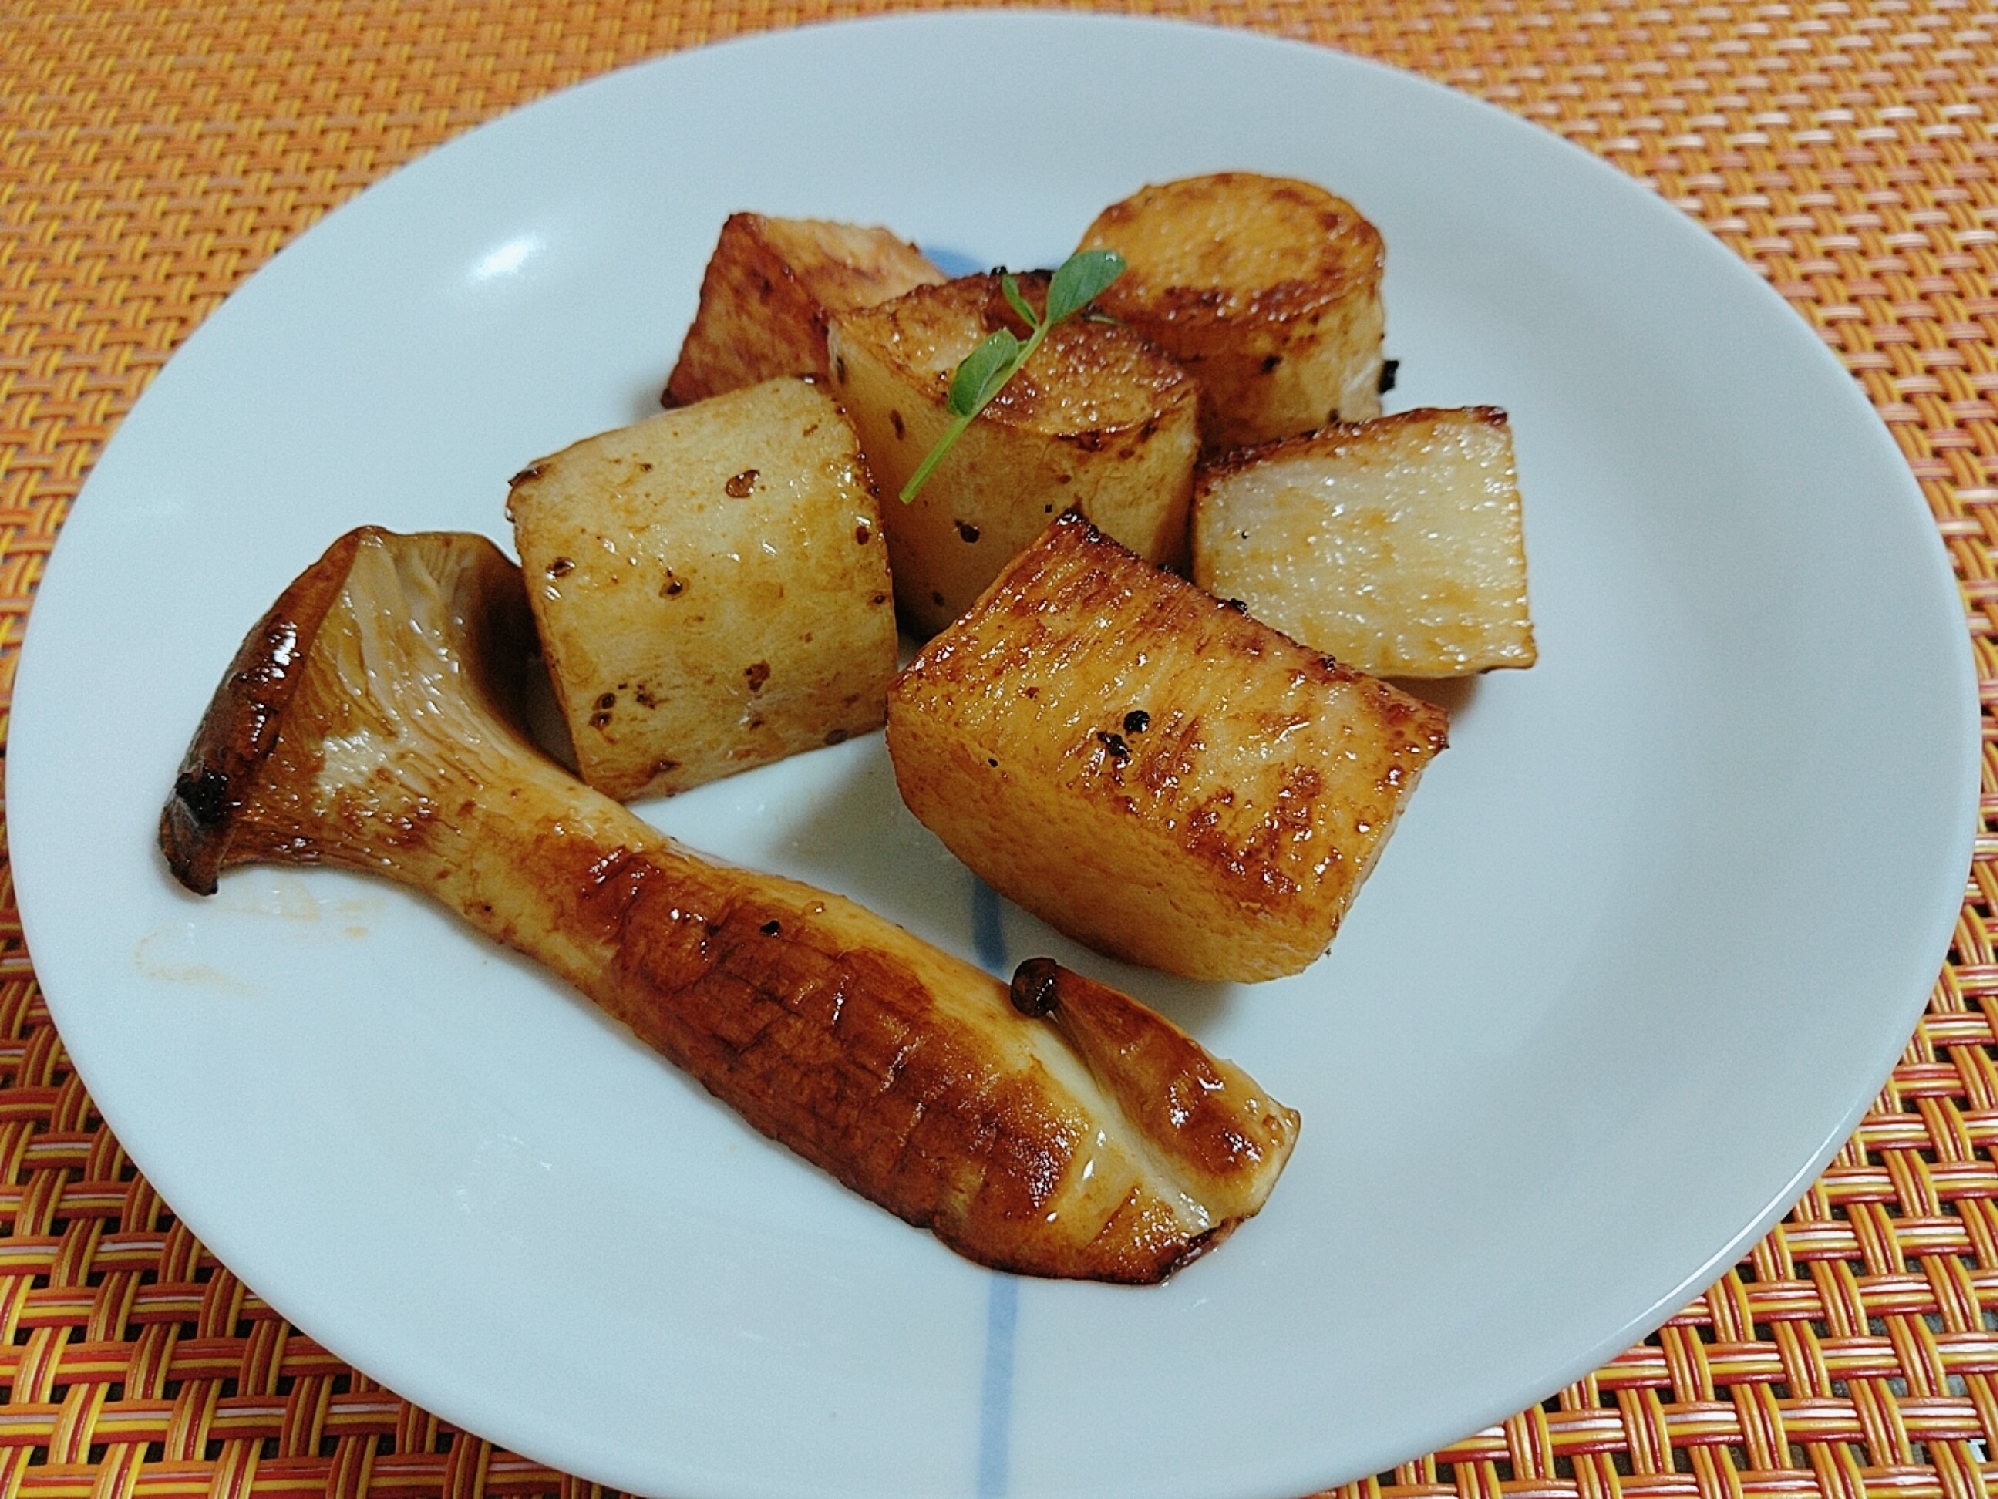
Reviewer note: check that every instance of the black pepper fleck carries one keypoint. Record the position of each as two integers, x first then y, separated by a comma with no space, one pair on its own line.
1137,721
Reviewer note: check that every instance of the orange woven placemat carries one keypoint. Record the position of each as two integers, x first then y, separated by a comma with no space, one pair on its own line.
151,158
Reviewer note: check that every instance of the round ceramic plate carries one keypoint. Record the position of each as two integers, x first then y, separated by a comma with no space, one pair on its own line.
1645,945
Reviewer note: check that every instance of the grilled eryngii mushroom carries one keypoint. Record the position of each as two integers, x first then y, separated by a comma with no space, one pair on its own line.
768,291
1395,545
1150,770
711,588
366,722
1267,288
1098,421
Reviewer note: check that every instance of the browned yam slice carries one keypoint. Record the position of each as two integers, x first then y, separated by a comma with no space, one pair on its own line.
1098,421
711,588
1150,770
1395,545
769,289
1267,288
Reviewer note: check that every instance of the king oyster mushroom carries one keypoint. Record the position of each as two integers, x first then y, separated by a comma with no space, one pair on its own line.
371,720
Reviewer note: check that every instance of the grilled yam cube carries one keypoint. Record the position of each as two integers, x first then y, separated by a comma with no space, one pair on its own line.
711,588
770,287
1268,289
1394,544
1097,421
1149,769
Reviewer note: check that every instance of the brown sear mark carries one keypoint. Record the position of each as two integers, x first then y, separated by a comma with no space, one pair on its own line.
739,485
757,675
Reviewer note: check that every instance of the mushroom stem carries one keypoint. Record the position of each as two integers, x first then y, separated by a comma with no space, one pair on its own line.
371,720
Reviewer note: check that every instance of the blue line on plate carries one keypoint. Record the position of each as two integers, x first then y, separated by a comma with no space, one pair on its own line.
952,262
995,1406
988,929
1002,1303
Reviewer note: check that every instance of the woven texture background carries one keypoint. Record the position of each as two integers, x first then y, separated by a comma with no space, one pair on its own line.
151,158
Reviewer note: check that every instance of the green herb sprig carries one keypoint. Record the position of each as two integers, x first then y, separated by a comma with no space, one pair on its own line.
987,368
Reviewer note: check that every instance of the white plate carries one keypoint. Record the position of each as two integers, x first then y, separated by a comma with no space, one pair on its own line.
1643,949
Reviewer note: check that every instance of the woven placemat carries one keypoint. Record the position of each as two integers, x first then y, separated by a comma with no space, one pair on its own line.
151,158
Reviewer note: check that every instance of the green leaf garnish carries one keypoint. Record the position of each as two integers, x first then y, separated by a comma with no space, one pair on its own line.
1010,285
986,369
1081,280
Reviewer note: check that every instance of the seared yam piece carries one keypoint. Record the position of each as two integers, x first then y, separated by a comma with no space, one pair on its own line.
770,287
1394,544
711,587
1098,421
1268,289
368,722
1149,769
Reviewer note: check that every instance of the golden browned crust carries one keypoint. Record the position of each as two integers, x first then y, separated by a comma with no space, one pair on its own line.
1234,249
847,1056
1267,288
1210,1117
241,724
1219,465
1149,769
768,290
1091,384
